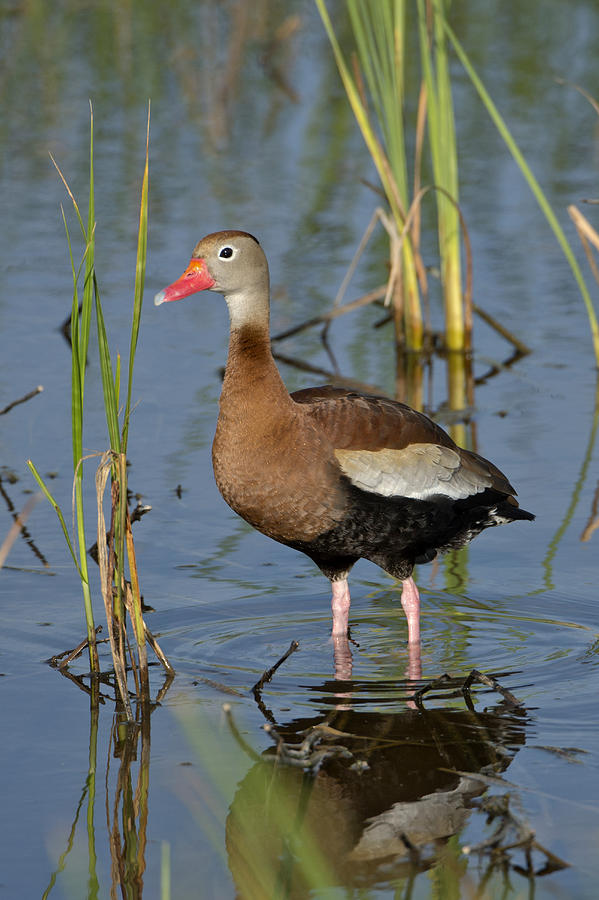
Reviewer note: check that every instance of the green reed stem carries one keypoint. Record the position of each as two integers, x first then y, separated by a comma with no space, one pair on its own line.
442,141
80,325
140,272
58,511
118,439
379,34
111,379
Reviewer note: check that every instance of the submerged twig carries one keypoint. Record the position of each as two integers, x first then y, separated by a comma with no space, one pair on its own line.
17,526
511,833
61,660
24,399
437,682
501,329
365,300
157,650
495,368
464,687
490,681
332,377
376,217
267,675
306,756
247,749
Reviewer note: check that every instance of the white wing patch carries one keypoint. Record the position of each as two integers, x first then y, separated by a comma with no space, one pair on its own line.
418,471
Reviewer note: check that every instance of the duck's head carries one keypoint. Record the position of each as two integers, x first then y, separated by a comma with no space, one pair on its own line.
231,263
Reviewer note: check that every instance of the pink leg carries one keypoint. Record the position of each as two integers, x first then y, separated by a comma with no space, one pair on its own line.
340,605
414,667
343,660
340,602
410,600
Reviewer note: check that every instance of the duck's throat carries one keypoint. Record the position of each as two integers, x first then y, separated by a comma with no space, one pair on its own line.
252,379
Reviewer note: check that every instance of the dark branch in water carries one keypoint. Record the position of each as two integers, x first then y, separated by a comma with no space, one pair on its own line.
24,399
365,300
309,755
266,676
247,749
522,348
511,833
490,681
19,526
431,686
475,676
61,660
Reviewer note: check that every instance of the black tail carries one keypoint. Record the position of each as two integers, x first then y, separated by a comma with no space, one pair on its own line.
510,511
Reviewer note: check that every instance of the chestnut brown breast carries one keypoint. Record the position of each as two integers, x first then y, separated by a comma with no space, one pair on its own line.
273,465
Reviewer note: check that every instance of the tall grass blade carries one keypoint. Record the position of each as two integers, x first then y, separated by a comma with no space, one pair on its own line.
80,324
111,408
140,270
58,511
116,547
90,257
358,108
532,183
111,403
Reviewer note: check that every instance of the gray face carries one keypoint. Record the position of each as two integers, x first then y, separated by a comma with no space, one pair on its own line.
235,261
230,263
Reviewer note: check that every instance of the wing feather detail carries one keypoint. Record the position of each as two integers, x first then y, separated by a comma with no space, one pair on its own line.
419,471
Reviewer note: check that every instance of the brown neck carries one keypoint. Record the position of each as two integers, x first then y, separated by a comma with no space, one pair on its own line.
251,372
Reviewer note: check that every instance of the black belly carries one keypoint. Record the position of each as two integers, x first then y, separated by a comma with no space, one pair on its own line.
398,532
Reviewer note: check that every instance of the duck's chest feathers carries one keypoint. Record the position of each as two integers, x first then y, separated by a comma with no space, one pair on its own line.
274,475
271,465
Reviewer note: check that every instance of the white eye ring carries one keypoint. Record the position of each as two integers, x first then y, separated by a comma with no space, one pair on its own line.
226,253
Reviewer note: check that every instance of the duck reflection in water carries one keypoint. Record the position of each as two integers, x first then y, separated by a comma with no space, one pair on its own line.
389,794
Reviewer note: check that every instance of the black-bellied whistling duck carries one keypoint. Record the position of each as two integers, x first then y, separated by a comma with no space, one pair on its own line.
334,473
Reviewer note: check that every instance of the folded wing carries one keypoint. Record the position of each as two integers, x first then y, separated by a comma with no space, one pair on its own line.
387,448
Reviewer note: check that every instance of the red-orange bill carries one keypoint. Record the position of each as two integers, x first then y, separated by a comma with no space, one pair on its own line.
196,277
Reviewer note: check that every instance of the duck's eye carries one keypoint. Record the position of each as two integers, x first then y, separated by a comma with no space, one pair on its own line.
226,253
